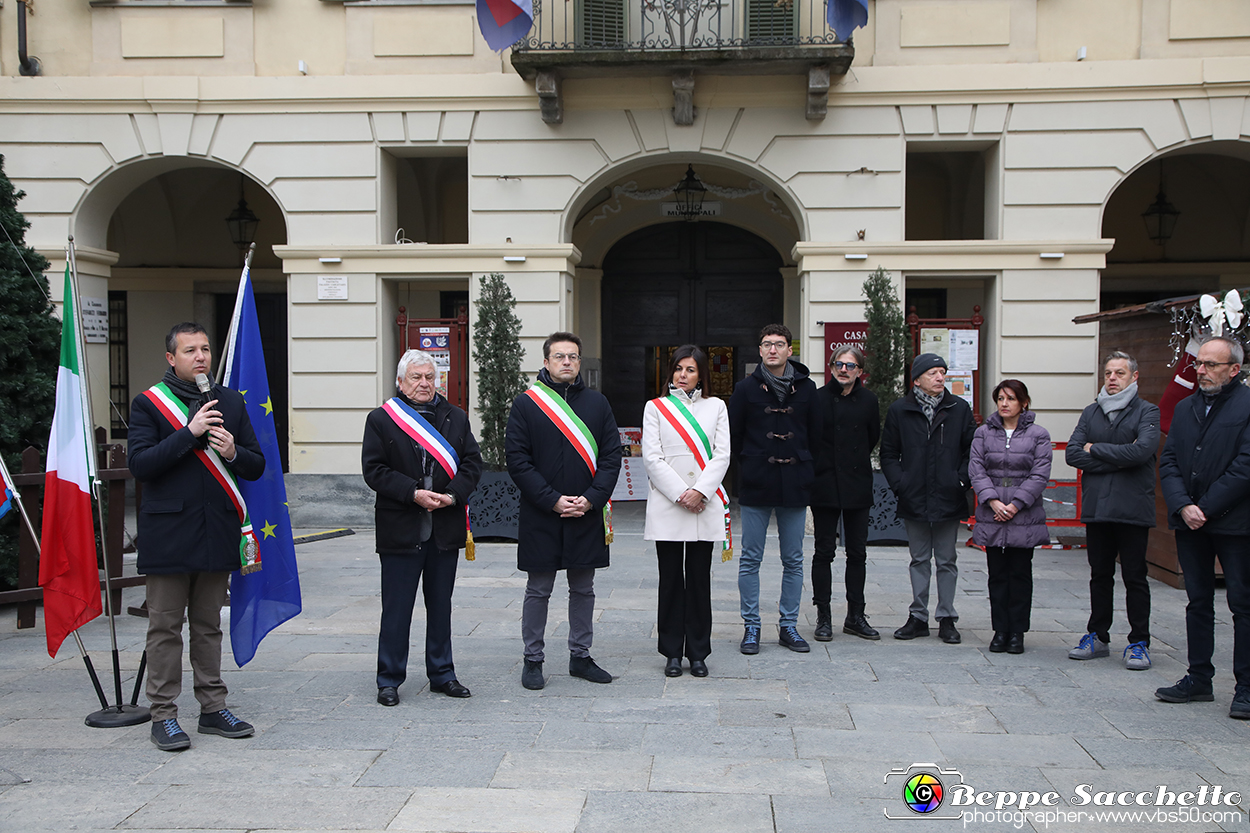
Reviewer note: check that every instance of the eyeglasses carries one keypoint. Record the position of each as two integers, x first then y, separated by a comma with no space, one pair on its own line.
1211,365
573,357
846,365
774,345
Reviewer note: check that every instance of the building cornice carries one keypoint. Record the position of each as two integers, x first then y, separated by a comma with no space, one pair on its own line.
952,255
414,260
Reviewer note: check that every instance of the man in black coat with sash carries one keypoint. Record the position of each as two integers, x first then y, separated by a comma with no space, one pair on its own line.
843,487
419,455
925,447
1205,476
191,530
564,454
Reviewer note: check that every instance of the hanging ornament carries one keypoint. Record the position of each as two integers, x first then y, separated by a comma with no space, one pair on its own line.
1217,312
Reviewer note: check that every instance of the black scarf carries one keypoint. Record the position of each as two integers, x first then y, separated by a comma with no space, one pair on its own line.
184,390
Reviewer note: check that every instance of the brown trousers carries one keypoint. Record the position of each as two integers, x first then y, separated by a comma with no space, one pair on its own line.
200,596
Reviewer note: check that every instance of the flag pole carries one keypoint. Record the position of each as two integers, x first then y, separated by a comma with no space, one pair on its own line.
34,536
123,714
227,358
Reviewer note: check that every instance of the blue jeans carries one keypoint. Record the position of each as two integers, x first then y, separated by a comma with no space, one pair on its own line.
791,521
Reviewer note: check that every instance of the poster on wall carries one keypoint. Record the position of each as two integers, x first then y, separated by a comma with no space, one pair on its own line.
965,349
632,482
437,342
959,383
936,340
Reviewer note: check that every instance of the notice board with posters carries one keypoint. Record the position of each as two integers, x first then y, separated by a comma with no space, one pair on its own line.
958,342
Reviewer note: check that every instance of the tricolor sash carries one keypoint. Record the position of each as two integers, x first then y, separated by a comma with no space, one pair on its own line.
688,428
173,409
419,429
578,435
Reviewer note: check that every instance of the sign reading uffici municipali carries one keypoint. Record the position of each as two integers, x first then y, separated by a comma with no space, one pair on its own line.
672,209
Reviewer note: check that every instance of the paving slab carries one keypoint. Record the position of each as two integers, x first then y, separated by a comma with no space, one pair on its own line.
493,810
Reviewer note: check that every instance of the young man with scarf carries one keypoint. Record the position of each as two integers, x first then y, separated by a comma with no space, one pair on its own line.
564,454
925,447
187,449
1205,476
774,425
1114,445
421,458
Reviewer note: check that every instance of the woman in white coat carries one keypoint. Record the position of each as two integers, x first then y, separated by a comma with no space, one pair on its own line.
685,448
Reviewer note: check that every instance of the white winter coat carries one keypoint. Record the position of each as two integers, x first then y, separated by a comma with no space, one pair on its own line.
672,469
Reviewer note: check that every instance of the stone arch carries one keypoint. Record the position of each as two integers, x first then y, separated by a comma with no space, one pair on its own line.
778,215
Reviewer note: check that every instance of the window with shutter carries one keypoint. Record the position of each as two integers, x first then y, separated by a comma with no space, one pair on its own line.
771,20
600,23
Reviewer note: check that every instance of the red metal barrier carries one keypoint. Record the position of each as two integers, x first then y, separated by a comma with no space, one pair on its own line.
1053,523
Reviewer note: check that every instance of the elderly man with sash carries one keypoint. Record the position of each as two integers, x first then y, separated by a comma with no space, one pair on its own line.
188,443
421,458
564,454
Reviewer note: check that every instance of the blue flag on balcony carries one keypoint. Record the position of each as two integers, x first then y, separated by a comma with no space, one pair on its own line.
264,599
845,16
504,22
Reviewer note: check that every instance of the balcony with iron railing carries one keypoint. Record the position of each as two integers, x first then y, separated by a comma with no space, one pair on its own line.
590,38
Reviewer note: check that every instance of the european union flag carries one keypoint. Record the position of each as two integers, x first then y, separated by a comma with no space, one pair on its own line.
264,599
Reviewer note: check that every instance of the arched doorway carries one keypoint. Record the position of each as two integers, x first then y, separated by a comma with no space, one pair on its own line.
176,262
704,283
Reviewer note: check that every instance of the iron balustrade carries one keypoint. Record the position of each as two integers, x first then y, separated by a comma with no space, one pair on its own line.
675,25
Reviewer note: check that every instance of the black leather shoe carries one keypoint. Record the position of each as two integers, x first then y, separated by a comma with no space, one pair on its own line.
1015,643
912,628
532,675
824,623
672,668
451,688
999,643
587,669
857,625
698,668
947,631
388,695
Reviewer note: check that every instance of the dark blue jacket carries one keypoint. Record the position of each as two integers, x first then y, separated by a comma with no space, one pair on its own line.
774,444
1206,461
927,465
187,523
544,466
1118,472
852,427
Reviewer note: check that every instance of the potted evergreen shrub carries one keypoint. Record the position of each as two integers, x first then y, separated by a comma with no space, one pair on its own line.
887,352
497,352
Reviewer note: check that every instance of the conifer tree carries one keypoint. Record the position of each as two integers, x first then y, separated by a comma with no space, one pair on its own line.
30,337
498,353
887,347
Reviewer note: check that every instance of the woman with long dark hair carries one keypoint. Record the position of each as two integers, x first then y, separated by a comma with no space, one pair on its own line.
1009,467
685,449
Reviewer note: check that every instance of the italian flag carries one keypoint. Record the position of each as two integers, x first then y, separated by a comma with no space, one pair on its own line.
67,562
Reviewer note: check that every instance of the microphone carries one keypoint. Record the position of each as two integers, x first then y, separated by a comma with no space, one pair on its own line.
206,395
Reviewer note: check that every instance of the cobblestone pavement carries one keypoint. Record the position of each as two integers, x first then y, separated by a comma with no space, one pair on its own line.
787,742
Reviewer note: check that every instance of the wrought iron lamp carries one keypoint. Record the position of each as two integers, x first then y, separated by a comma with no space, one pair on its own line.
690,193
1161,216
242,221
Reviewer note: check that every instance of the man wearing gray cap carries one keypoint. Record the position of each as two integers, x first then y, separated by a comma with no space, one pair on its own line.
924,455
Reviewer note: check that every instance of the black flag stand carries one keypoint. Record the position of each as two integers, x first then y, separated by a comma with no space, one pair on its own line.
122,714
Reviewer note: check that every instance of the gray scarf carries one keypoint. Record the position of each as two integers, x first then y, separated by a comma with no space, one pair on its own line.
928,403
779,384
1112,402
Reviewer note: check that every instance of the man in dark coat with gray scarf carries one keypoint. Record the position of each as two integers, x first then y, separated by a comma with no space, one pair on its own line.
1114,445
924,456
564,454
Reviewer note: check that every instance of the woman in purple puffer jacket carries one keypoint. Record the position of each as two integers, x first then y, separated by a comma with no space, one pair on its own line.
1009,467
